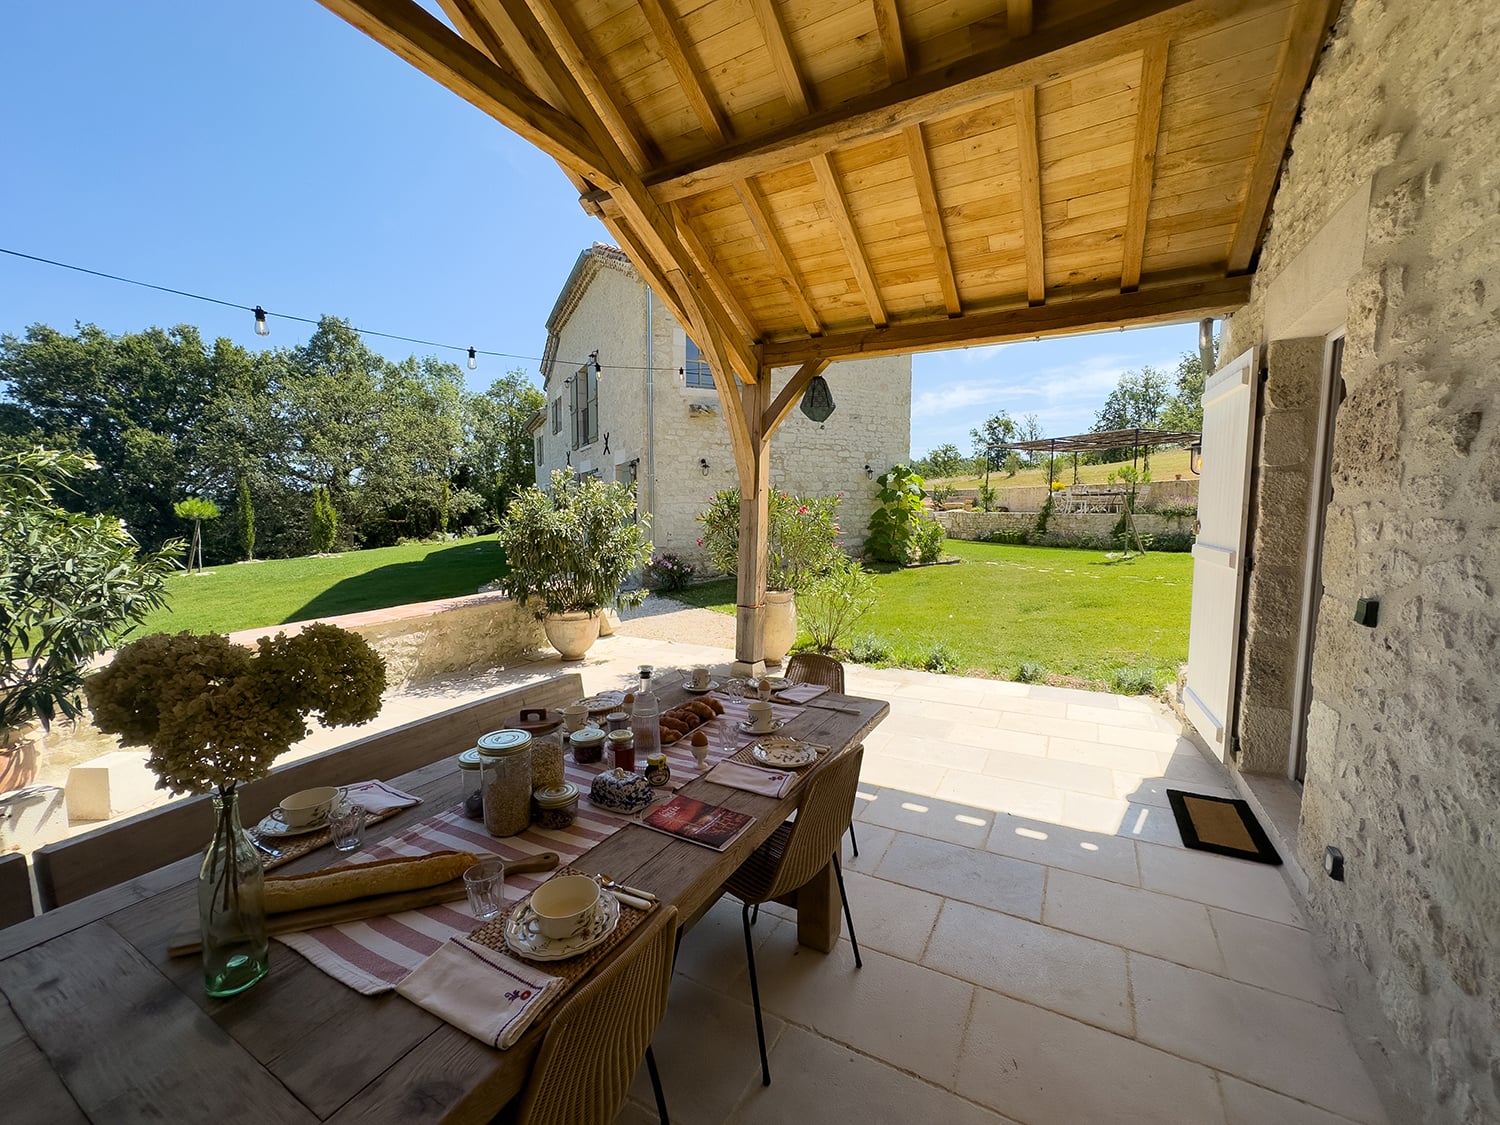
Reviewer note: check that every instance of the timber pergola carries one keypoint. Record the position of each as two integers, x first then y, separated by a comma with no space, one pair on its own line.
805,183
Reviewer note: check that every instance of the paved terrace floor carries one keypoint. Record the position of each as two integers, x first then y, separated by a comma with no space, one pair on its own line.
1039,947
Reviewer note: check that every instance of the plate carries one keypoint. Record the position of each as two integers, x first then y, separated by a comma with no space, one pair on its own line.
783,753
604,701
535,947
713,685
273,829
776,725
778,682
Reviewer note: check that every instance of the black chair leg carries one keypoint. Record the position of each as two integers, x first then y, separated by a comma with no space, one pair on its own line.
661,1099
838,871
853,842
760,1029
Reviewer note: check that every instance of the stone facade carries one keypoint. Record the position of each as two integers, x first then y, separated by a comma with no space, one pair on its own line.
660,430
1387,221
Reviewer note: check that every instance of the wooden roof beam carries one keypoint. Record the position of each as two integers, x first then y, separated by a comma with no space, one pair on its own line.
436,50
664,28
932,215
892,43
1118,28
792,80
1028,153
796,386
1190,300
1143,162
755,206
1310,23
843,222
1018,18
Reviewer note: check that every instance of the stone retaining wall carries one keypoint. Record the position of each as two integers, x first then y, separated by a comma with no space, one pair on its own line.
1030,497
1092,530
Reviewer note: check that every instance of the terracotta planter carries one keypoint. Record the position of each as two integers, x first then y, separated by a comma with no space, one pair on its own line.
780,629
572,634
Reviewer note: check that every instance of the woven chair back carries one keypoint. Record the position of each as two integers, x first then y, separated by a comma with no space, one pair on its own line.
822,819
815,668
599,1035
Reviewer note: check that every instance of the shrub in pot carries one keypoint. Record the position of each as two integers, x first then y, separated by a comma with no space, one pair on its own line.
570,549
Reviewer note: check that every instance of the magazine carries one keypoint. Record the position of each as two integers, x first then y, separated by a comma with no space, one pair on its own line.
698,822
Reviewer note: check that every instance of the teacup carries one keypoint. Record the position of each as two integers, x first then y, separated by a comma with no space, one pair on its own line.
700,676
308,806
574,717
562,904
761,718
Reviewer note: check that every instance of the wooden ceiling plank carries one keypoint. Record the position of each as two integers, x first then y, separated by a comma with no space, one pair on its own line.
755,206
664,27
1189,300
712,274
1031,195
792,80
1310,23
1143,162
1018,18
1121,27
843,222
437,51
932,216
892,42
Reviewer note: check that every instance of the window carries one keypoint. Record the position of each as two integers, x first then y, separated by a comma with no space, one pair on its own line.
557,415
697,370
585,406
538,459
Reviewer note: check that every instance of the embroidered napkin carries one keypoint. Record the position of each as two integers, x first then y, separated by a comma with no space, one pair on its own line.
491,996
801,693
378,797
752,779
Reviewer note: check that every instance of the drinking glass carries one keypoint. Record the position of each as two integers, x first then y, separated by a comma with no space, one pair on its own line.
346,824
735,687
485,882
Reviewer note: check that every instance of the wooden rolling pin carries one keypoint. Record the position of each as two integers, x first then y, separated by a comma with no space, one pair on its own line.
188,940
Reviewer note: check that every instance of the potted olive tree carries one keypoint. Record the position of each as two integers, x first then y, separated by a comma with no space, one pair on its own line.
570,549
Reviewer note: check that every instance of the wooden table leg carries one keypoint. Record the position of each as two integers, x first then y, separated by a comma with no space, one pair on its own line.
819,912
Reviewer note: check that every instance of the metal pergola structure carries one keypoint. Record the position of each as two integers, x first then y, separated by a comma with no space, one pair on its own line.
1135,439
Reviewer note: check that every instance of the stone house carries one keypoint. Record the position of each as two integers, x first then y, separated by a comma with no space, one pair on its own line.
647,412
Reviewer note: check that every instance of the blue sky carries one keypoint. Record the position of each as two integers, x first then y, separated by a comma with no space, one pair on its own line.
274,155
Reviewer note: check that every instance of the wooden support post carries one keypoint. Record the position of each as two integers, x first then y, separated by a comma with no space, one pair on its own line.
755,527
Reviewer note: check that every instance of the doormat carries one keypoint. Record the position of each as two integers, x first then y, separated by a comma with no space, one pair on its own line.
1220,825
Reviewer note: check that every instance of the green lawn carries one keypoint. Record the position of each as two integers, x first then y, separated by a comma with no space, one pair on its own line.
246,595
1075,613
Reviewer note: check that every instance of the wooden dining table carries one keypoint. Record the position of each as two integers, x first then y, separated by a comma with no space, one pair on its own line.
99,1024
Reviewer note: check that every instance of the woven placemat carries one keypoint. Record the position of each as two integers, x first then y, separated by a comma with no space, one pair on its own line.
491,934
299,846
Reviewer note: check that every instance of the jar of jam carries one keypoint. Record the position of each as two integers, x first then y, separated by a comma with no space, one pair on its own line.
622,746
555,807
588,745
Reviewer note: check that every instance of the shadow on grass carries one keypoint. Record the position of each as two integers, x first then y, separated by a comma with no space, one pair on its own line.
449,572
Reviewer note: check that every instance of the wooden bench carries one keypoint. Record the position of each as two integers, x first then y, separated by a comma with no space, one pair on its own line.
73,869
15,890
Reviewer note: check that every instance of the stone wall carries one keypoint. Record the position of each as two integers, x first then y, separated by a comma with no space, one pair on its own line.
1030,497
1092,530
1388,217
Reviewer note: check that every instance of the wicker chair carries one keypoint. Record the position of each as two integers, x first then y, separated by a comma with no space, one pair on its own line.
589,1057
792,855
815,668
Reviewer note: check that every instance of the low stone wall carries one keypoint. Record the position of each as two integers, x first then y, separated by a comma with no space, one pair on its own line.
426,640
1092,530
1030,497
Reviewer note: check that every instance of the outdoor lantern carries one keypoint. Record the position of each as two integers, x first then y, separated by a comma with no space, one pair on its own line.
703,464
473,360
1195,458
817,400
869,473
261,328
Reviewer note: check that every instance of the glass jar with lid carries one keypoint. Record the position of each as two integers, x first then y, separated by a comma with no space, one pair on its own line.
555,807
470,788
545,728
505,780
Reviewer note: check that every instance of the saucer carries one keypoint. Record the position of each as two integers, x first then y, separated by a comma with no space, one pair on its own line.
783,753
778,682
713,685
776,725
272,828
589,933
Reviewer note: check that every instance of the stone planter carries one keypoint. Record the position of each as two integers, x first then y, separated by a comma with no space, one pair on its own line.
572,634
780,629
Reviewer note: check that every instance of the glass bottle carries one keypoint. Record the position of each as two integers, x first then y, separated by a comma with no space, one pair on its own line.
645,718
231,904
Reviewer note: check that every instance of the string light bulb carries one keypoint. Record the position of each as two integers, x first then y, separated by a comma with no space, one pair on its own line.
261,327
473,360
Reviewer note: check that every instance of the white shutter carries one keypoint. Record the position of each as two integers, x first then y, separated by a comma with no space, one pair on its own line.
1219,553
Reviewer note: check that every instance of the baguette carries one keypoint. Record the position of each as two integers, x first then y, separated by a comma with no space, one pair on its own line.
379,877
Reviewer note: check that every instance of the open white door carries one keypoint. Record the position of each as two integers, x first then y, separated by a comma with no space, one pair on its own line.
1219,553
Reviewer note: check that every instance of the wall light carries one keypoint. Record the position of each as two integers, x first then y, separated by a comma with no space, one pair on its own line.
703,464
869,473
1195,458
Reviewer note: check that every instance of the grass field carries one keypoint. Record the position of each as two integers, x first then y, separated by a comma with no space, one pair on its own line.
245,595
1076,615
1164,466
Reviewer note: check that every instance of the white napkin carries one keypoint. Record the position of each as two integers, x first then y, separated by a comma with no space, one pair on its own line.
377,797
752,779
491,996
801,693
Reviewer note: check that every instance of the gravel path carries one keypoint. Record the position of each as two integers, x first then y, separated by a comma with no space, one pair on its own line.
663,619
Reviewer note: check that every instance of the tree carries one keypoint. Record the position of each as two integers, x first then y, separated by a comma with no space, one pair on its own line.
990,440
1185,410
325,522
1030,429
498,457
71,585
197,509
946,461
247,519
1135,403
